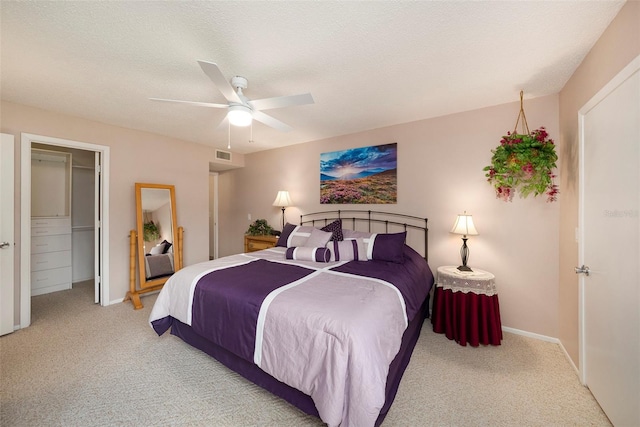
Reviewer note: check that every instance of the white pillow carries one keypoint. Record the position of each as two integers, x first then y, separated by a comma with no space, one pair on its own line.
157,249
318,239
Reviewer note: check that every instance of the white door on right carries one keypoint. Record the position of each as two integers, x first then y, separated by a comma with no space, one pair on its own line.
609,214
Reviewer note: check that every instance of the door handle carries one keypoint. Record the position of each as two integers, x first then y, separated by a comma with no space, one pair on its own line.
584,269
4,245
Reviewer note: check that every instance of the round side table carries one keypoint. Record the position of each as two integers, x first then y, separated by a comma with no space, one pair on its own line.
466,307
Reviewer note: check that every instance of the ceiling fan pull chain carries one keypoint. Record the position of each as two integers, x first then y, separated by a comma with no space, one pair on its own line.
228,135
525,125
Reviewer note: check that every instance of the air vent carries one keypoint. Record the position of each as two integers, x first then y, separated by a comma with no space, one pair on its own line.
223,155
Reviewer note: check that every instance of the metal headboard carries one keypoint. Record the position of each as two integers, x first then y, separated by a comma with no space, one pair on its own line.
369,218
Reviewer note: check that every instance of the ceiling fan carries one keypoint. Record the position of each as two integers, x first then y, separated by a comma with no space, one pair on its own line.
240,109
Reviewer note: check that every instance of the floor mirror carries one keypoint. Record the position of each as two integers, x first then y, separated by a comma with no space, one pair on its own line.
156,243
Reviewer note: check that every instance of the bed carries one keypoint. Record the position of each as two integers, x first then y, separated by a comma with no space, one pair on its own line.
159,261
327,319
160,265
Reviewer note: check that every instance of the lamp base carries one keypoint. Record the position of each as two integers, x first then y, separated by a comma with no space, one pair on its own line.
464,254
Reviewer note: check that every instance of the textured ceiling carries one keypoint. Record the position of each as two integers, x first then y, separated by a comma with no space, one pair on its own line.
367,64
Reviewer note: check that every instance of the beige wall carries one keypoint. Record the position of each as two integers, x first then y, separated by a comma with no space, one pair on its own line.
617,47
529,244
440,174
183,164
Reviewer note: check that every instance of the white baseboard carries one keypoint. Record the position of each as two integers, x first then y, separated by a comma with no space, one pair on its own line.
544,338
531,335
566,355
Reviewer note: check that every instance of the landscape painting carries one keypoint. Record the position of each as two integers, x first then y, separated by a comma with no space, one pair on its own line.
366,175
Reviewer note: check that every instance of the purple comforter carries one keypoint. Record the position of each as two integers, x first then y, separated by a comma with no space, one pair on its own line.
328,329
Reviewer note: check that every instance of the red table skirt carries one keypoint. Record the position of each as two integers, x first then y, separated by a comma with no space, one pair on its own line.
467,318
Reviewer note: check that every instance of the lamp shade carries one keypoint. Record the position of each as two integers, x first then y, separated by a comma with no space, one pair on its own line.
239,115
464,225
282,199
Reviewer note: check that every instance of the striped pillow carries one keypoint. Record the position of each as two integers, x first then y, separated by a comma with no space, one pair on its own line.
308,254
294,235
387,247
348,250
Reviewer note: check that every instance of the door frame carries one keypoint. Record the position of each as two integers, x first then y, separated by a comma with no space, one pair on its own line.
621,77
213,206
27,140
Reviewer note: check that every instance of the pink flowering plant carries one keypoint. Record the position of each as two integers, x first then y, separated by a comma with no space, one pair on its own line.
524,163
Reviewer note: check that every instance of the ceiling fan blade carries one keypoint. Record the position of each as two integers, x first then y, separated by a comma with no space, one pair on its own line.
281,101
214,73
272,122
196,103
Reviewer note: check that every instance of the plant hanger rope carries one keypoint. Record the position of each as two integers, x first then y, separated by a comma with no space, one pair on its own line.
525,125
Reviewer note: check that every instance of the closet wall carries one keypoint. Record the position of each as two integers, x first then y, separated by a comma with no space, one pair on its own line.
82,221
50,221
80,214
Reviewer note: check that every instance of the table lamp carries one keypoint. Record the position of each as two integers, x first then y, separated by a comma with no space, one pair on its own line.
464,225
282,200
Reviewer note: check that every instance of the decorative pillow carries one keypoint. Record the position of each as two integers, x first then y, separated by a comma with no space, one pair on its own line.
318,238
387,247
286,232
308,254
157,249
294,235
167,245
348,250
335,228
351,234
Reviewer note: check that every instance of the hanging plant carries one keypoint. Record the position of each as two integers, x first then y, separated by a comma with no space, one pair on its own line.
151,231
524,163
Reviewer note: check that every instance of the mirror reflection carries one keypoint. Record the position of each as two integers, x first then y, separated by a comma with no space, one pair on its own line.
156,244
157,235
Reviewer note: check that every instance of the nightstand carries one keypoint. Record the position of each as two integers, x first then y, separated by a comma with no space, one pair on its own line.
466,307
258,243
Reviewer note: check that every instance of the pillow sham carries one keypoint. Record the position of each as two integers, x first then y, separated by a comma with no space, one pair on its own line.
157,249
348,250
294,235
286,232
351,234
335,228
304,253
387,247
167,246
317,238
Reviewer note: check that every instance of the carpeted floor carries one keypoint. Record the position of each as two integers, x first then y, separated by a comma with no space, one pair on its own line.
84,365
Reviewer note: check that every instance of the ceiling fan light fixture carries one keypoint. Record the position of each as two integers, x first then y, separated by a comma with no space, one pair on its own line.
239,115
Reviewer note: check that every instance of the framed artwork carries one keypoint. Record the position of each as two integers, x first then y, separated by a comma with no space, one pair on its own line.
366,175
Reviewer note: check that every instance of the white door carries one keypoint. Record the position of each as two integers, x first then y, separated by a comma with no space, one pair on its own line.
6,234
610,203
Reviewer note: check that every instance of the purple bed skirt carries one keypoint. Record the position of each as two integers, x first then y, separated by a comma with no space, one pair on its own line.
294,396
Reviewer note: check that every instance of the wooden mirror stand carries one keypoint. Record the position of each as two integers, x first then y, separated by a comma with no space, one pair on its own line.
155,247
